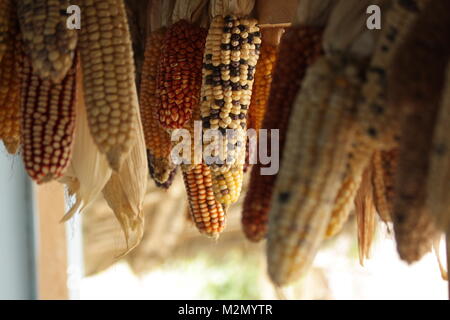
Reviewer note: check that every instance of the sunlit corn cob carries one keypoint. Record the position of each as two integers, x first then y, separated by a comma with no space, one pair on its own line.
109,78
380,123
261,88
343,203
300,46
180,73
10,98
48,41
321,129
6,25
206,211
47,122
157,139
383,181
438,185
416,91
231,53
227,185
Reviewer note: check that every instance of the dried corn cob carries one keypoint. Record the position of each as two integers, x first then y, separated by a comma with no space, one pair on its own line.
261,88
108,78
383,180
48,41
6,25
10,98
227,185
47,122
320,132
207,213
438,187
157,139
180,75
344,203
379,122
231,53
299,47
417,91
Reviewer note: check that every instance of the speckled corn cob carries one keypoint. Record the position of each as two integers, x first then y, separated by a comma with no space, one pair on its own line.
300,46
180,73
10,98
380,124
231,53
261,87
227,185
48,123
6,25
415,83
207,213
383,180
48,41
109,78
320,132
157,139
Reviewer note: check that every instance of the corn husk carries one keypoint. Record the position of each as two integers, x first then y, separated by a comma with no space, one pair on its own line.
193,10
160,13
313,12
88,170
237,7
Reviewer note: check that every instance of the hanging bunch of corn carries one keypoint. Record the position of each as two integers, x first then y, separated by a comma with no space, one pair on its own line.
47,122
109,79
10,58
383,179
379,123
179,74
157,139
88,171
299,48
48,42
416,91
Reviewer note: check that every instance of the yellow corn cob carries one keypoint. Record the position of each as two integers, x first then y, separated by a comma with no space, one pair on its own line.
227,185
47,122
48,41
157,139
180,73
231,53
207,213
379,123
261,88
416,91
108,78
6,25
300,46
320,132
383,180
10,98
343,204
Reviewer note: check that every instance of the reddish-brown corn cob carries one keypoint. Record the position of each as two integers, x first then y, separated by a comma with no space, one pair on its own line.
47,122
231,53
207,213
300,46
379,122
109,78
227,185
416,90
48,42
383,181
321,130
157,139
10,98
261,87
7,24
180,73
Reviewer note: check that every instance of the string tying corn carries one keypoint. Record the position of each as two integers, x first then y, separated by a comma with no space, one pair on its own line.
300,46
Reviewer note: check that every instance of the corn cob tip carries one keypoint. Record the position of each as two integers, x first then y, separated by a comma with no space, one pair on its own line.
11,144
158,168
115,158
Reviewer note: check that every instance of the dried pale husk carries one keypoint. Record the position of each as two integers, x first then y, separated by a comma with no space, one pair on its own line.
347,30
88,171
314,12
192,10
238,7
270,12
125,192
160,13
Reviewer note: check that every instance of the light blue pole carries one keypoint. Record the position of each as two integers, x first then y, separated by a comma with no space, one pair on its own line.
17,230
